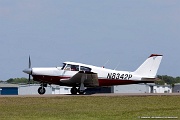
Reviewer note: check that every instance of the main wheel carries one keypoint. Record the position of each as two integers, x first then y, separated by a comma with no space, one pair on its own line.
41,90
81,92
74,90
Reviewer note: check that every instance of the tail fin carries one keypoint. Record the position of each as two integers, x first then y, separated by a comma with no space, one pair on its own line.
150,67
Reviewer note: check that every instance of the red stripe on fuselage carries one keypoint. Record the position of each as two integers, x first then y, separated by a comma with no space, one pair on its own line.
111,82
49,79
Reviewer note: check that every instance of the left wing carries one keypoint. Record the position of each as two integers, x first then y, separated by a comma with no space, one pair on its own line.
88,78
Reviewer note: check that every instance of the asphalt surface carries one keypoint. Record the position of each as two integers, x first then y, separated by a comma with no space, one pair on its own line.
102,94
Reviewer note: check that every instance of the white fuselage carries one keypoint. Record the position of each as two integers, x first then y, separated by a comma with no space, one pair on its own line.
102,73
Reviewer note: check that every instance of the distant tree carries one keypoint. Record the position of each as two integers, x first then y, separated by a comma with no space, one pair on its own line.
159,82
168,79
177,79
20,81
1,81
10,80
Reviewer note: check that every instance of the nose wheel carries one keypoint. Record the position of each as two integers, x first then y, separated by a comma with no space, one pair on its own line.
41,90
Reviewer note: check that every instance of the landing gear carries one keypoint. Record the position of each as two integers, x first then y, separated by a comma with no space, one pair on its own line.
81,92
41,90
74,90
81,89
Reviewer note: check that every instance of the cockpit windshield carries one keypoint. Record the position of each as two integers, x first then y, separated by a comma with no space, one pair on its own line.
63,66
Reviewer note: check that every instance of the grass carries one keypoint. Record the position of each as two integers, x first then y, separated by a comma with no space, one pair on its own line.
88,107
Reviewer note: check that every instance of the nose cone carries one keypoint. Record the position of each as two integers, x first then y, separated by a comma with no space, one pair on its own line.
28,71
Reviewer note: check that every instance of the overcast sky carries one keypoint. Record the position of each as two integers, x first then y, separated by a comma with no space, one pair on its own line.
123,32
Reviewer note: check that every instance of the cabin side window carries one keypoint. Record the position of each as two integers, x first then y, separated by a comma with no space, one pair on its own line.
82,68
74,67
70,67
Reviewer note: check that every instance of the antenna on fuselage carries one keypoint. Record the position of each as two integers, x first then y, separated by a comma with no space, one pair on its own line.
117,66
105,63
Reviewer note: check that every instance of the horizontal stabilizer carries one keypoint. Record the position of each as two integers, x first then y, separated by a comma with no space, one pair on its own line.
148,79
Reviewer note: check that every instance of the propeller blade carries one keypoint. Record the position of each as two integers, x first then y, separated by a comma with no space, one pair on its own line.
31,70
29,79
29,61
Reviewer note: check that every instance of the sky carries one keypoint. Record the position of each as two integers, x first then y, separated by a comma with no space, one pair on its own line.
119,34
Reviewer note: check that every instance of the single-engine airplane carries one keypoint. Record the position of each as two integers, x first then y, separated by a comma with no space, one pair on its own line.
78,75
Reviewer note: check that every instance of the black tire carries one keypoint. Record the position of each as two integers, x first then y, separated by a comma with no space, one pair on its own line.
41,90
74,91
81,92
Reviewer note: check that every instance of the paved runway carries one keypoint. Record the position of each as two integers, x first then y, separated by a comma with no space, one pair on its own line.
102,94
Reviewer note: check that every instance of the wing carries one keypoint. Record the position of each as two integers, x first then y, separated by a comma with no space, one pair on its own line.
88,78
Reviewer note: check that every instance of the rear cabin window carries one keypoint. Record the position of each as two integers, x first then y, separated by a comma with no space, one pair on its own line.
82,68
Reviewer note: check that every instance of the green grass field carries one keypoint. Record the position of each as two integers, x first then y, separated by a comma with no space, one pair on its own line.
88,107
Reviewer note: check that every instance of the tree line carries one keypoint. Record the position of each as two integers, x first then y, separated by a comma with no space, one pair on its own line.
162,80
165,79
20,81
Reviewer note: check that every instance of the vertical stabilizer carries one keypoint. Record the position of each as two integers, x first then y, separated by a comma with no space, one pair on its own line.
150,67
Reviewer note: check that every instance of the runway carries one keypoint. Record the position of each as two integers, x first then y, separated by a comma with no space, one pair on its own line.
101,94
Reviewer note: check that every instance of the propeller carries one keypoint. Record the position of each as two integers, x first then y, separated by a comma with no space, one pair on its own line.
29,70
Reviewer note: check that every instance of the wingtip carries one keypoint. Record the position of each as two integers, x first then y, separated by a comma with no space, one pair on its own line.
152,55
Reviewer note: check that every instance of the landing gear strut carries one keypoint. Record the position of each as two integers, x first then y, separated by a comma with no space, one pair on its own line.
81,92
41,89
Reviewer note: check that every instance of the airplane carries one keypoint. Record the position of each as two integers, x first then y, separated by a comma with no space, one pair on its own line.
80,76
